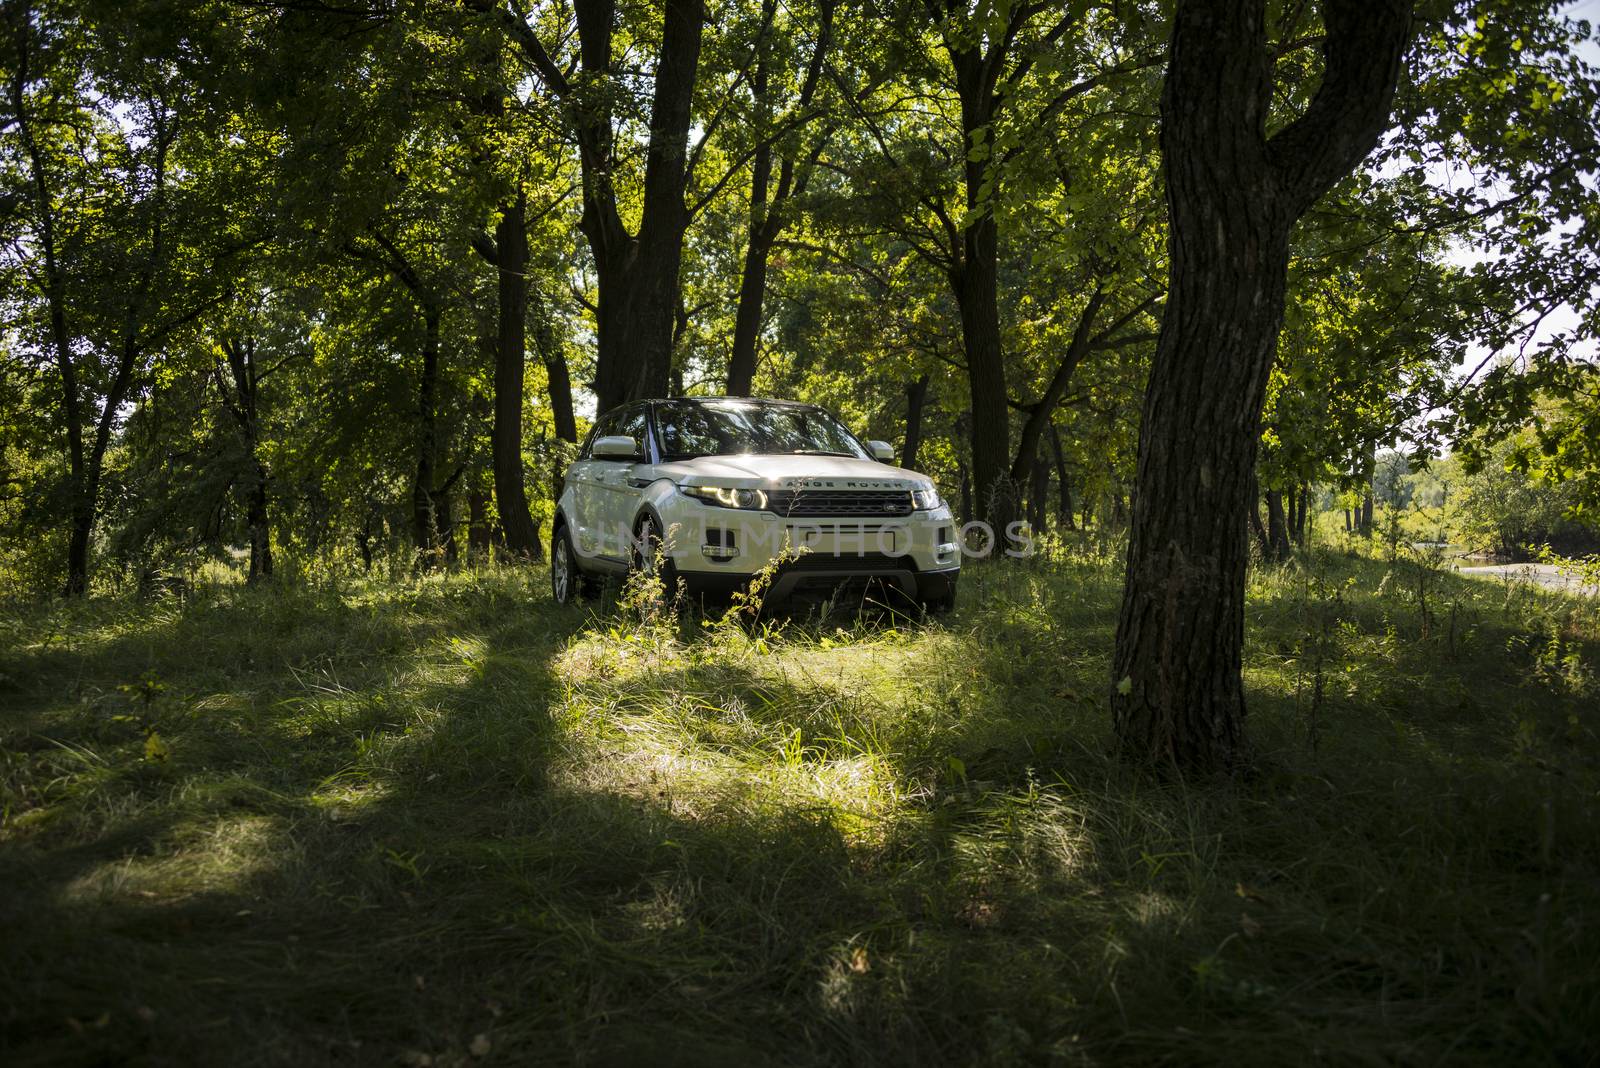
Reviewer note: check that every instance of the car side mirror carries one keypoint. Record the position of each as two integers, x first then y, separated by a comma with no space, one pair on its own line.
616,447
881,451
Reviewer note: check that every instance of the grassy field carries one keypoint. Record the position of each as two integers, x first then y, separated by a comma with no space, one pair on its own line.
447,822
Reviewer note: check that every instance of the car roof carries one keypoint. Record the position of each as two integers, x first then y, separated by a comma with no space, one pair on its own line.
704,400
735,400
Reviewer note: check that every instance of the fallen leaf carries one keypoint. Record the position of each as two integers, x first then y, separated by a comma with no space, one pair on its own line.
1248,894
480,1046
1249,925
155,750
859,962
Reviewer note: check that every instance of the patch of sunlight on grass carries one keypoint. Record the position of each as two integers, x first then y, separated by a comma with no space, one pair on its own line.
1162,912
343,797
200,858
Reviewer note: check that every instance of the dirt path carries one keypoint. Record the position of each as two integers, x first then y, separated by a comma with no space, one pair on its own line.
1544,575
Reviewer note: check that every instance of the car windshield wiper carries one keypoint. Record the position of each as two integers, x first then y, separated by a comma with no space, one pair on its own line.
822,452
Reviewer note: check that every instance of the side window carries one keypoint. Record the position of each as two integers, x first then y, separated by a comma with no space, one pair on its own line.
604,425
632,423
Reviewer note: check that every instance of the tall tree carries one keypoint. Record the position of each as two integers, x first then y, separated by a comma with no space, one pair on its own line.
768,201
111,243
637,268
1234,195
508,252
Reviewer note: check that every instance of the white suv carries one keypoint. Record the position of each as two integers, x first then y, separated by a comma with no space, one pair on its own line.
716,488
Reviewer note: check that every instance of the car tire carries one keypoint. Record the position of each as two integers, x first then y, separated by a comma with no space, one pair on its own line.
647,545
940,606
568,583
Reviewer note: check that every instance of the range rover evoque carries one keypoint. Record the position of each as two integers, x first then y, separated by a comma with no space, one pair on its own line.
712,489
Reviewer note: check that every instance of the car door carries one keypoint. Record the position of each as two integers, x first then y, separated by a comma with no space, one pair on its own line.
618,496
588,496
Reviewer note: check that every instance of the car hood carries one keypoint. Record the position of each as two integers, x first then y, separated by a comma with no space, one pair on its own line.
785,471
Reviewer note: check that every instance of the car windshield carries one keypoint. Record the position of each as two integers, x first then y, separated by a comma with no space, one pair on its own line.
687,429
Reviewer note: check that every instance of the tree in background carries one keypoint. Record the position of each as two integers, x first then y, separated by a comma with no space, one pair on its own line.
116,255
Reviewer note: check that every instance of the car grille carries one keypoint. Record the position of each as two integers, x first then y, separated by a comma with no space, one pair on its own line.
840,502
855,562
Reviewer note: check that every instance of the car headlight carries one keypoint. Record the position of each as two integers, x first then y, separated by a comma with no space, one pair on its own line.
925,498
726,496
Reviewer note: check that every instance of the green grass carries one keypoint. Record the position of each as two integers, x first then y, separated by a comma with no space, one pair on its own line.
448,822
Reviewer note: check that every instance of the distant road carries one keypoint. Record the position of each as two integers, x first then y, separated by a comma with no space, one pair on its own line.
1544,575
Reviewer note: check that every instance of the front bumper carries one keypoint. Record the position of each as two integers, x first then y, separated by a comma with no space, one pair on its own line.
901,587
912,559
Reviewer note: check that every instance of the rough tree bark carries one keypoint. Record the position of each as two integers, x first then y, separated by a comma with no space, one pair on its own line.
1233,196
510,493
976,291
636,272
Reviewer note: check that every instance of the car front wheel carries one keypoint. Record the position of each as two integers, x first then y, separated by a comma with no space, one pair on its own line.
650,556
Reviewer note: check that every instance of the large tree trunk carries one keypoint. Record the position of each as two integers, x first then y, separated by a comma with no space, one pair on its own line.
995,495
637,274
1233,197
78,535
974,280
510,493
638,298
752,292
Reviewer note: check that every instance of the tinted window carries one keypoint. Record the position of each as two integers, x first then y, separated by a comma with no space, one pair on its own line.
604,425
686,429
632,423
